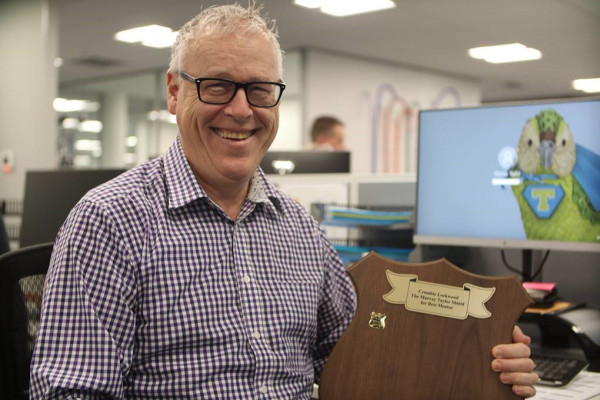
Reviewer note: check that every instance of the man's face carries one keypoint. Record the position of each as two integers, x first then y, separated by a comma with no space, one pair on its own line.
337,137
225,143
333,139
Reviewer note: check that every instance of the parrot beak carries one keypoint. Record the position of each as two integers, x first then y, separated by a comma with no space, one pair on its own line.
547,152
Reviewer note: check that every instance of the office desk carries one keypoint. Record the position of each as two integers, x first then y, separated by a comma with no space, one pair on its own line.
585,386
573,331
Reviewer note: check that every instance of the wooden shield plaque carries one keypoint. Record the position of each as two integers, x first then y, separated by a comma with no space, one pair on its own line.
423,331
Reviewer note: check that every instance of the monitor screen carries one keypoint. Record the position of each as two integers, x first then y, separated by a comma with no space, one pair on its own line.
523,176
305,162
50,196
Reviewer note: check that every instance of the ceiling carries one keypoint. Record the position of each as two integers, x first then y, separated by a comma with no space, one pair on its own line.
432,35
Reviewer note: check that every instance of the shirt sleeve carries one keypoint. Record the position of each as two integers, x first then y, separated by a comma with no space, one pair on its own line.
85,339
336,308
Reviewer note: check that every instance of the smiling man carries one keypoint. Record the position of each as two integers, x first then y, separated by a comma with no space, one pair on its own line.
191,276
225,131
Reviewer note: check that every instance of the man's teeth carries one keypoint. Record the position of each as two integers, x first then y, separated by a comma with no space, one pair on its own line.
235,135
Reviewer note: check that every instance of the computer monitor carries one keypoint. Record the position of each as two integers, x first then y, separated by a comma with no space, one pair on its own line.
523,176
305,162
50,196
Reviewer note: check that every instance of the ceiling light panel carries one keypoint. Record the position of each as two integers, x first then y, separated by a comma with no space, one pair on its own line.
151,35
309,3
343,8
591,85
66,105
505,53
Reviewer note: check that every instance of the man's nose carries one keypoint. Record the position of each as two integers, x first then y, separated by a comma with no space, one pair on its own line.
239,106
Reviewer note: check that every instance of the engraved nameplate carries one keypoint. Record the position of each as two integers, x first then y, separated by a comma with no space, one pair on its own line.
436,299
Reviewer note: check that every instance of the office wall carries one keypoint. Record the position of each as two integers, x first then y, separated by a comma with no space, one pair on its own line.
378,103
28,44
289,135
363,93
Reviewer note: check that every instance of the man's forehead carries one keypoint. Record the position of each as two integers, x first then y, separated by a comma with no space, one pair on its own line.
238,42
220,52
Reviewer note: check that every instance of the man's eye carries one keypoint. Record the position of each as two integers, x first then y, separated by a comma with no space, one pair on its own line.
260,90
215,87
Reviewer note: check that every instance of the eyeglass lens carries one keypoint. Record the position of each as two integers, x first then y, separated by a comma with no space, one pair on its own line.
258,94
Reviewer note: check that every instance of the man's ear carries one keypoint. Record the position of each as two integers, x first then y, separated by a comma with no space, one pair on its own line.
172,90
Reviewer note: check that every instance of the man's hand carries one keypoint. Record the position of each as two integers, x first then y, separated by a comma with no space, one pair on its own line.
514,365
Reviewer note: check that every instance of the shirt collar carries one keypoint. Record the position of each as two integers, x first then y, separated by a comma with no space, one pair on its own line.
263,191
183,188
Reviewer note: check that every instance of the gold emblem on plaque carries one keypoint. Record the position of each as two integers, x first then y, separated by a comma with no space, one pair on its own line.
377,320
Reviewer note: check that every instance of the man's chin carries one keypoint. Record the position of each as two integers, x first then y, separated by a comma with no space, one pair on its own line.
239,170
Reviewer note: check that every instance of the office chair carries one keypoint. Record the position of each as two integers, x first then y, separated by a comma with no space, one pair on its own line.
4,240
22,274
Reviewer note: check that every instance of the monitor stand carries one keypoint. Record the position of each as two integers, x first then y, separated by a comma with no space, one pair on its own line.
527,265
528,272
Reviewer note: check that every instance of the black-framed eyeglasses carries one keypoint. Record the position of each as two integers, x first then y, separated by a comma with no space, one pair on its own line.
221,91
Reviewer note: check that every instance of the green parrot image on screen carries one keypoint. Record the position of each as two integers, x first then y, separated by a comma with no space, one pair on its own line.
552,202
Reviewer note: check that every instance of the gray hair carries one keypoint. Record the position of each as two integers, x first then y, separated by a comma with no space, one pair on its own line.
222,21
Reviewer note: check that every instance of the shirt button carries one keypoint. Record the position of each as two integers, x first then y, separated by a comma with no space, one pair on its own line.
256,335
263,389
246,279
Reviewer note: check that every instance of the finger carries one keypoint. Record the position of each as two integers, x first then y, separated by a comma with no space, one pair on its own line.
522,384
519,378
524,391
515,350
524,365
520,337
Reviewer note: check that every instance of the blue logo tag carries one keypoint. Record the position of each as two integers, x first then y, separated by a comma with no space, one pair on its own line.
543,199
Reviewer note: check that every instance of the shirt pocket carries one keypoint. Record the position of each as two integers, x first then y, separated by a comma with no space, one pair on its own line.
295,292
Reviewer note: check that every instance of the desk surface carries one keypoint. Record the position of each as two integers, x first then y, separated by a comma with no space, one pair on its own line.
585,386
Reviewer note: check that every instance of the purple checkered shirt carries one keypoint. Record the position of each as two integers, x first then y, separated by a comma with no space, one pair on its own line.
154,292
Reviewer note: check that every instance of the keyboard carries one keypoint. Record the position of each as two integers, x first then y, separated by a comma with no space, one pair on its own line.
556,371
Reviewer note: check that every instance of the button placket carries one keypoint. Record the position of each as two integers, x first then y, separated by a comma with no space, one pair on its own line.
252,309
